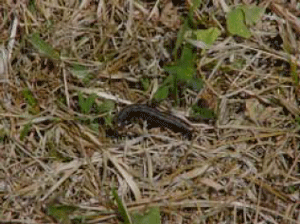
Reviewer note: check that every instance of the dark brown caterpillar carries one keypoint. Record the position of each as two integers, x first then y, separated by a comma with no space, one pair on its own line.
154,118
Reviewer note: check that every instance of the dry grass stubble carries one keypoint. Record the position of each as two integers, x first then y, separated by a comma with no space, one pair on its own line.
243,170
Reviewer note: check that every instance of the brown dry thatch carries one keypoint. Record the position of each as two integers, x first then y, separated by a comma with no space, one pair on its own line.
244,169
